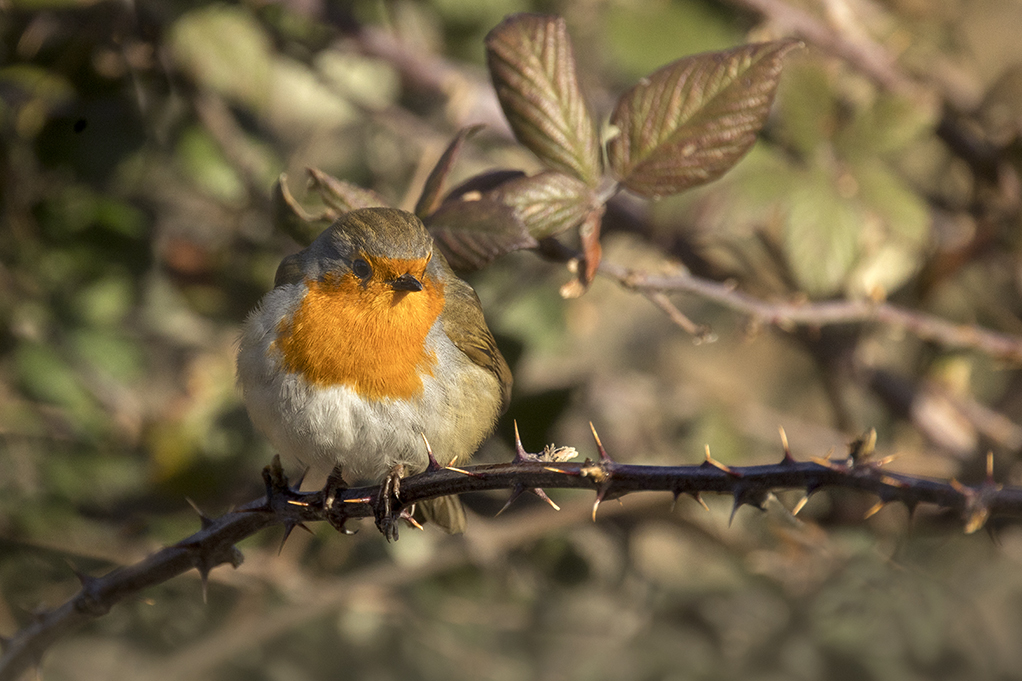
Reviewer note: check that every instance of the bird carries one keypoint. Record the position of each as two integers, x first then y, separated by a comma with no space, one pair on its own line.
368,344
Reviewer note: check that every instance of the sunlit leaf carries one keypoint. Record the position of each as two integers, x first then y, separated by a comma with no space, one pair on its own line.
690,121
547,203
532,65
505,212
432,191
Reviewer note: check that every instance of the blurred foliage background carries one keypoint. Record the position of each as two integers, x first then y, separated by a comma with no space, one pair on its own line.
139,144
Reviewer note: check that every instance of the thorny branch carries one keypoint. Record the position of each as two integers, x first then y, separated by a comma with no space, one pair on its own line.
283,505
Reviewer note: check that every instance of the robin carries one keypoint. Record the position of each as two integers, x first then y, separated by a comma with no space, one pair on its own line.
367,343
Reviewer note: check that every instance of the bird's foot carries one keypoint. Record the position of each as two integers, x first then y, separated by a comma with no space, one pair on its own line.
388,504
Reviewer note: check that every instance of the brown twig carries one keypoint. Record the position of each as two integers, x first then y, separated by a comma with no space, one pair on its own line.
863,53
818,314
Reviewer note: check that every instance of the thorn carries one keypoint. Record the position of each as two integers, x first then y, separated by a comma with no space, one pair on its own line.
874,509
695,495
829,463
83,579
717,464
976,519
297,486
520,453
604,457
204,520
990,466
204,576
596,504
750,496
800,505
893,482
784,443
407,515
538,491
464,472
433,465
518,490
734,509
289,527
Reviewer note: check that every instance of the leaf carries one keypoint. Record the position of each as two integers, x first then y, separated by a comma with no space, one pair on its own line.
532,64
548,203
432,191
472,234
503,212
821,234
290,217
690,121
343,196
226,49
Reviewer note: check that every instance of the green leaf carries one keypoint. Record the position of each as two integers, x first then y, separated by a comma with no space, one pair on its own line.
532,65
434,187
821,234
226,49
692,120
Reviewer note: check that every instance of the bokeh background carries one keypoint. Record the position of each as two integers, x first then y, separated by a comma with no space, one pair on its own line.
139,145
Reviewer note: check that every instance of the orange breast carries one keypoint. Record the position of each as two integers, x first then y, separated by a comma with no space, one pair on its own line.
371,338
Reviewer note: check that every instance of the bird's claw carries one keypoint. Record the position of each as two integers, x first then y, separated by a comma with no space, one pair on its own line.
390,492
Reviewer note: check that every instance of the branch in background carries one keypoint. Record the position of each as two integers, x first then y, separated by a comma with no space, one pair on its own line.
790,314
863,53
748,485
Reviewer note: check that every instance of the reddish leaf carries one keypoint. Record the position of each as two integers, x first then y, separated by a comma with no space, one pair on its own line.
432,191
533,69
504,212
692,120
471,234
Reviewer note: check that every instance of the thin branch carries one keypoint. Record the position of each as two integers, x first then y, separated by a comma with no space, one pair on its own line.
791,314
748,485
866,55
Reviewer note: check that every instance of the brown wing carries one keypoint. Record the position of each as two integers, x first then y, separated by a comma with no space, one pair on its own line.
466,327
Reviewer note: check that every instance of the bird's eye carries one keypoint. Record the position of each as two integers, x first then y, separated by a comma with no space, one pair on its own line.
362,269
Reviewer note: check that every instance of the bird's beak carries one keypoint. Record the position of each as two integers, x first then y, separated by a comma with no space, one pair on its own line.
405,282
